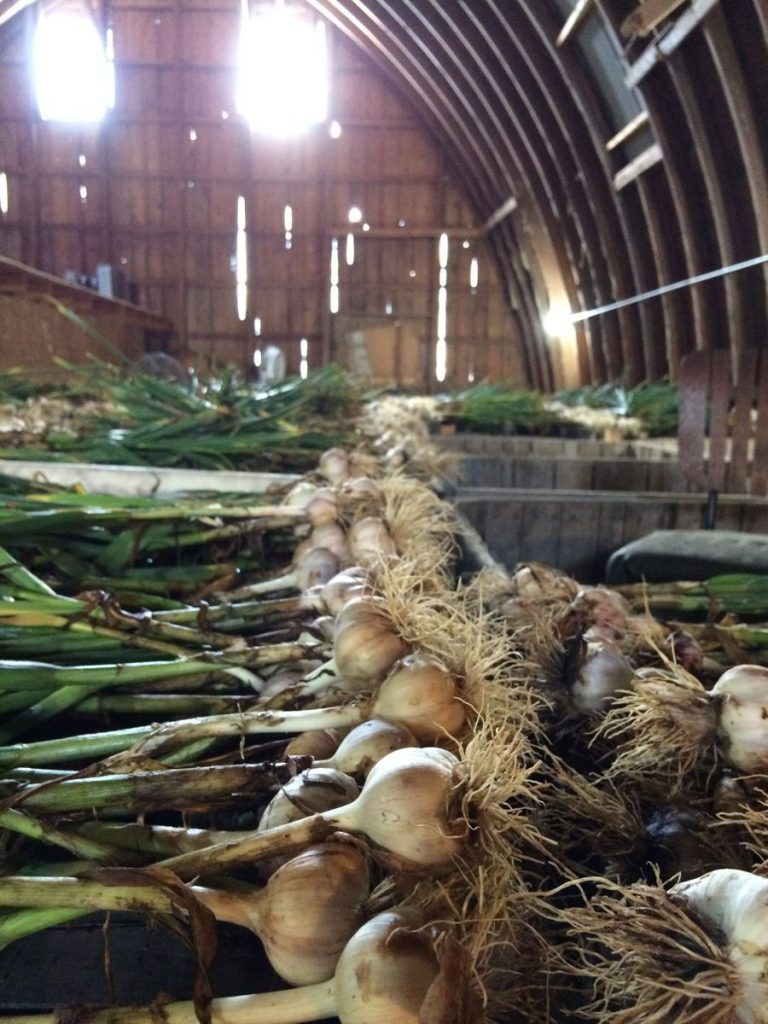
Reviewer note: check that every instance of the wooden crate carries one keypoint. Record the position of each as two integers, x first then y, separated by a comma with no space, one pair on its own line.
577,530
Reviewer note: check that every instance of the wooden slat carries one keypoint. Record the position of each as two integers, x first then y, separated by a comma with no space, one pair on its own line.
737,475
759,478
719,392
694,382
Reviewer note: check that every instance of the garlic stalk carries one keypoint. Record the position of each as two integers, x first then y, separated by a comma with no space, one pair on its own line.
419,694
313,566
406,809
386,974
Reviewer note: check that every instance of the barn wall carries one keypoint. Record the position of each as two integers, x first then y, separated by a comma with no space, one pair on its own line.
162,177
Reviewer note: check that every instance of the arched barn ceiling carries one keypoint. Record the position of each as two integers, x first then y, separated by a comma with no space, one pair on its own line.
530,100
609,148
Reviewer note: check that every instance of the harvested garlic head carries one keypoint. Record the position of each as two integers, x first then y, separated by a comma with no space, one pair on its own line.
733,906
742,695
603,673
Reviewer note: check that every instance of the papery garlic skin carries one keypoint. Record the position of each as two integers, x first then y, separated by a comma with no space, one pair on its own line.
406,808
605,671
734,905
742,695
385,971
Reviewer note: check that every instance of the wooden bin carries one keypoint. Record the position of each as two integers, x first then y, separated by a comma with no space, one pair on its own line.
577,530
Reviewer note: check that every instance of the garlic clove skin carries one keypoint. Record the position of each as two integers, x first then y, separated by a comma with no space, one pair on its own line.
734,905
742,697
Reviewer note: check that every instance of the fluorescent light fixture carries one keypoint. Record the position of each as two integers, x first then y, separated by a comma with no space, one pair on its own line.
282,84
349,254
73,72
3,193
257,357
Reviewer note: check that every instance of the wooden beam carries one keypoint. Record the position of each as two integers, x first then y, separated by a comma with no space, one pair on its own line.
10,8
662,49
577,15
628,130
648,158
404,233
498,215
647,15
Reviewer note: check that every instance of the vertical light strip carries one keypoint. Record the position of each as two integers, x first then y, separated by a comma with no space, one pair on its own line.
304,357
333,301
109,54
474,273
350,249
241,261
288,225
441,346
3,193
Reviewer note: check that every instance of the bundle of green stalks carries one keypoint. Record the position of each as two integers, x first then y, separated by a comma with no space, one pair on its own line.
221,424
145,551
743,594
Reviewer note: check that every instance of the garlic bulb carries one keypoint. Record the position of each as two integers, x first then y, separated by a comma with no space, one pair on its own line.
734,905
305,914
313,790
742,696
604,672
333,464
366,744
370,541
